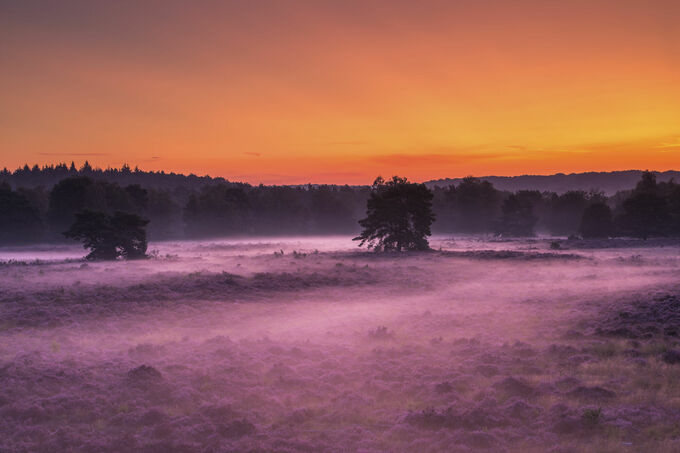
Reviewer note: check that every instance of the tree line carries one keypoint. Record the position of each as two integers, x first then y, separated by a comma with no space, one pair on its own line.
650,209
192,207
199,207
400,213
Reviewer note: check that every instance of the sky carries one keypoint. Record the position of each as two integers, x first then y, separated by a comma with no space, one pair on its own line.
288,92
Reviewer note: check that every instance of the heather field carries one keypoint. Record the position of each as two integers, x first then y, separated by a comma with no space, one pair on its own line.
314,345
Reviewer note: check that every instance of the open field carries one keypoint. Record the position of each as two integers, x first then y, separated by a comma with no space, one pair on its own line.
235,346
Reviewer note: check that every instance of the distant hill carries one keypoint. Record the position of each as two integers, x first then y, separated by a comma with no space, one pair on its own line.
607,182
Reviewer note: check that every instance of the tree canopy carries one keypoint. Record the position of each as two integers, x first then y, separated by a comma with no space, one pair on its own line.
399,216
110,236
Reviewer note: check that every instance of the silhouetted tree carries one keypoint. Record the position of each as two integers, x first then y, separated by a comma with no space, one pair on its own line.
597,221
517,215
399,216
130,230
95,231
109,237
645,213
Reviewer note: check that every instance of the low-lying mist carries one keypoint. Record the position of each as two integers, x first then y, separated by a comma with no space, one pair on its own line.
312,345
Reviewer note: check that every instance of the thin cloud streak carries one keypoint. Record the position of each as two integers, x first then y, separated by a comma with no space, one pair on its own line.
75,154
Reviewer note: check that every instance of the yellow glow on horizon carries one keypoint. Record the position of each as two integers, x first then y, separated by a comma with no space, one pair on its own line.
338,93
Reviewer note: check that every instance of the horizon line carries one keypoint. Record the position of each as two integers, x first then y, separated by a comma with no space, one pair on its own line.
132,169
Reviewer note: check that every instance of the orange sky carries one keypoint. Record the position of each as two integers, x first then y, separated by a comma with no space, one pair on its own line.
341,91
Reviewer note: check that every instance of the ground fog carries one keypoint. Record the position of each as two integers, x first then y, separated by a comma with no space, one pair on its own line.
313,345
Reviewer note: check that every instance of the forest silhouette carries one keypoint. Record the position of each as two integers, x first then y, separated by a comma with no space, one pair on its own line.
40,204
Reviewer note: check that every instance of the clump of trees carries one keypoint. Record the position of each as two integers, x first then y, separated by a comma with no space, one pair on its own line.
562,213
108,237
223,210
597,221
217,209
517,215
177,206
645,213
651,209
470,207
399,216
77,193
38,204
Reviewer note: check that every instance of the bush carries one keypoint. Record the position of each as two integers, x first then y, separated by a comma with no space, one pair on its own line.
591,417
